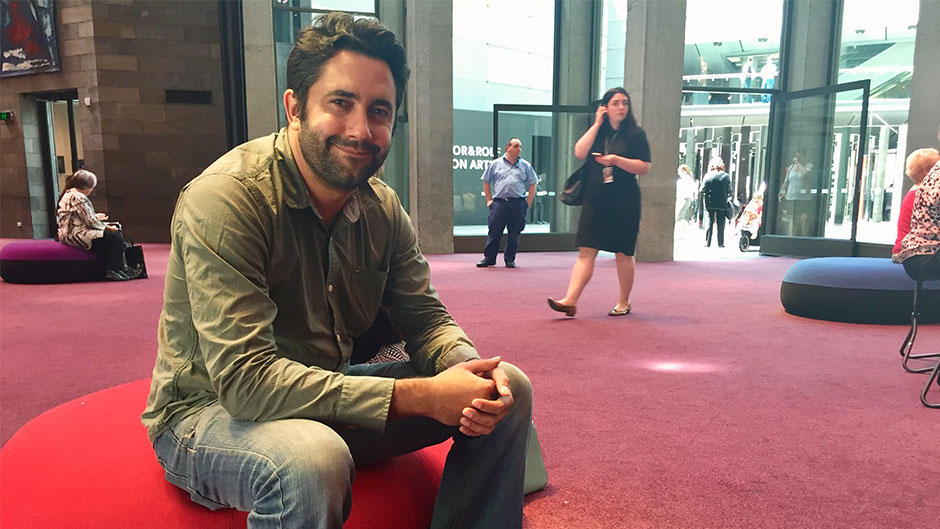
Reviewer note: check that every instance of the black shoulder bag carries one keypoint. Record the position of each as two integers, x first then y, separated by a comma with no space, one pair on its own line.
573,192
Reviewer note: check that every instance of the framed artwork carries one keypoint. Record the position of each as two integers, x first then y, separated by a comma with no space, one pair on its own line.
28,37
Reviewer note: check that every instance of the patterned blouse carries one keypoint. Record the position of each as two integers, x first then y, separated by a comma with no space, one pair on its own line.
78,225
924,237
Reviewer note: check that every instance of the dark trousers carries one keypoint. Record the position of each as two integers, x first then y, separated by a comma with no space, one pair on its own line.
716,215
112,247
508,215
923,267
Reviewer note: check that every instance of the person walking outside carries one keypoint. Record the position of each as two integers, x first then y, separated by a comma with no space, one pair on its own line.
717,191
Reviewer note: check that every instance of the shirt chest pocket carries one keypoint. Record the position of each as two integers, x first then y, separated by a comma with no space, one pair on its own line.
359,308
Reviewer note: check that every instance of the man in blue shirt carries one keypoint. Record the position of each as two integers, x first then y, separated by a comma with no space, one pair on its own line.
509,186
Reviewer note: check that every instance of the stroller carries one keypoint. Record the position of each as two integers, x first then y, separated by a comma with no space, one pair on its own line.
747,225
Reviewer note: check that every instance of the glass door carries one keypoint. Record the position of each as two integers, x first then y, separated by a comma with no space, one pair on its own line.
814,171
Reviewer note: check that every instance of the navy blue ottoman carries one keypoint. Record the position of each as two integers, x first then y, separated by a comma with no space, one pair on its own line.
49,261
856,290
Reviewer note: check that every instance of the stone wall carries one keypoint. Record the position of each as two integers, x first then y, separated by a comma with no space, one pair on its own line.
121,56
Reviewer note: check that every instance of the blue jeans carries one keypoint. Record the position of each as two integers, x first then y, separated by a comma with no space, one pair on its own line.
298,473
508,215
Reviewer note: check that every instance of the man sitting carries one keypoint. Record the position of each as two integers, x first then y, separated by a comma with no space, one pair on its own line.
283,250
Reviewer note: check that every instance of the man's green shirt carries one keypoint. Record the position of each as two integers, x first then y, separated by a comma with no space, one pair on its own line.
262,300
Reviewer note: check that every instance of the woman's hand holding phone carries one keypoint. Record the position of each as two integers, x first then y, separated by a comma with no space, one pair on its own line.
600,115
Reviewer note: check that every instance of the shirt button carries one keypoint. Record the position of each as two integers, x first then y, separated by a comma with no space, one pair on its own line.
329,288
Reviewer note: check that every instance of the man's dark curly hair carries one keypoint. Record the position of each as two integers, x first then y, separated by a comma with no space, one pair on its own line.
334,32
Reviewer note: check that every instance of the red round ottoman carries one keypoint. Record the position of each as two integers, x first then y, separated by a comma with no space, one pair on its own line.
49,261
88,464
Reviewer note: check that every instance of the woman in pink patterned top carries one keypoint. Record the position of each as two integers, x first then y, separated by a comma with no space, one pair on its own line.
918,164
920,249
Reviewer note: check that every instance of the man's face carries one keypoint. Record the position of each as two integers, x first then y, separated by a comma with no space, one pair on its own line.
514,149
345,130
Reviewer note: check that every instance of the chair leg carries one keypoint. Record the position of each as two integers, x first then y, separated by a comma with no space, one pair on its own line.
934,377
908,343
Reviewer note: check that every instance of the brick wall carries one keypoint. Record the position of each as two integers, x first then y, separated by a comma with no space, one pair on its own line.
123,55
20,165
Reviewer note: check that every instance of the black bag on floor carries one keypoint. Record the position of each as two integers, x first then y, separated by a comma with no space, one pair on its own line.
134,256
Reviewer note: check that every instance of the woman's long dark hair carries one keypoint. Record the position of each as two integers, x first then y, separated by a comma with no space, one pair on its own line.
629,122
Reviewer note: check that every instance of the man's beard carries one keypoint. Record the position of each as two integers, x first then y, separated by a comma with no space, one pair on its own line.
330,169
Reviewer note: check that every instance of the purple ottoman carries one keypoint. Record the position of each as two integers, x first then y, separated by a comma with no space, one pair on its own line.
49,261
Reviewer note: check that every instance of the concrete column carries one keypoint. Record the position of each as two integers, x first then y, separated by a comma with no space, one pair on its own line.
429,36
653,77
924,114
807,64
260,76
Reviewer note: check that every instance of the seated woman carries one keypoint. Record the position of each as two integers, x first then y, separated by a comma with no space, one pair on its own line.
918,163
920,249
81,227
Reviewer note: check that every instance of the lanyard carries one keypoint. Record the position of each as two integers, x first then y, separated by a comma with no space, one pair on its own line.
610,140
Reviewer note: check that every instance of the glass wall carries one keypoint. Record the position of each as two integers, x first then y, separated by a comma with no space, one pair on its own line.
613,29
738,137
291,16
731,45
878,44
730,48
503,54
819,155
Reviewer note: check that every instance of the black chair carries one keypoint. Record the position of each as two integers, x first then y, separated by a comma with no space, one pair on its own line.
908,345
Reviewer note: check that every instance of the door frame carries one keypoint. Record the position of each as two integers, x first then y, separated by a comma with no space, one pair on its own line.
801,246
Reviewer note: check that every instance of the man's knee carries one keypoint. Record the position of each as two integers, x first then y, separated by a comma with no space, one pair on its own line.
519,384
310,455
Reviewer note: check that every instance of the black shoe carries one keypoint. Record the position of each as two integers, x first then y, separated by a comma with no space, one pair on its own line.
569,310
510,264
484,264
115,275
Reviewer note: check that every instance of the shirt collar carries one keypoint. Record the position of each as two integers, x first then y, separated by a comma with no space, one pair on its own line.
295,189
519,159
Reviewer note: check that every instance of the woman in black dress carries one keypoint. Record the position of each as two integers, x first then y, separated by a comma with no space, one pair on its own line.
610,215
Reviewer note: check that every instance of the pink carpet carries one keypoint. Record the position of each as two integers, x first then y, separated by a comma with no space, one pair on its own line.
709,407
